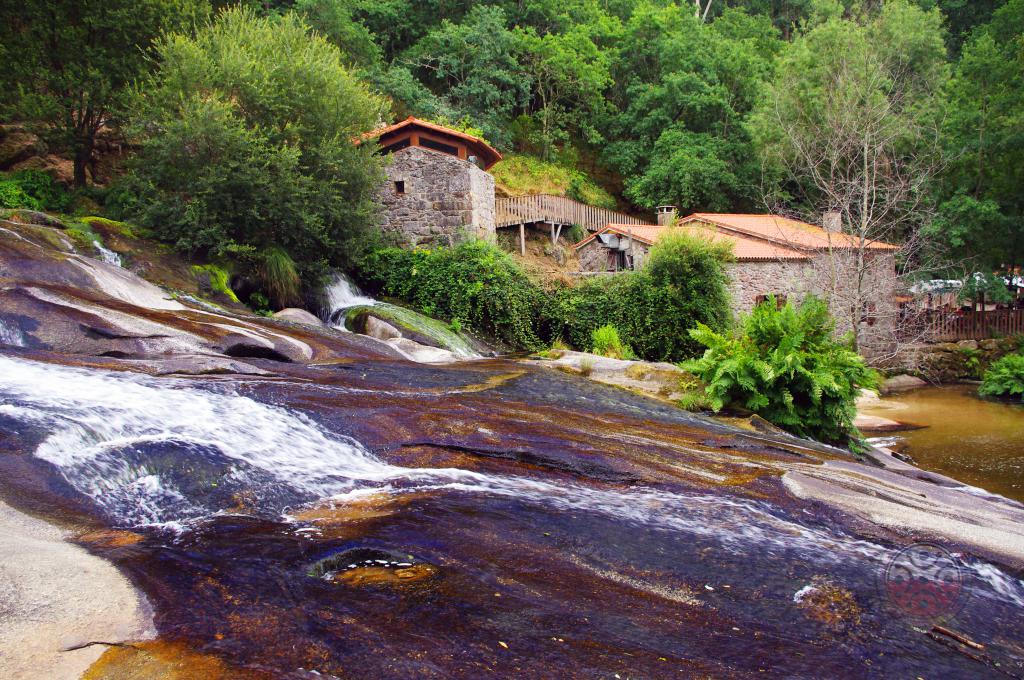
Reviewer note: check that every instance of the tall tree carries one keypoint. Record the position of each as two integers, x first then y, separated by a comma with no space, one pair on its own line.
848,127
682,92
474,65
246,152
69,62
981,215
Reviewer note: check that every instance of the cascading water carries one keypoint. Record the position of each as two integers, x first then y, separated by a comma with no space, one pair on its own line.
342,294
107,255
162,452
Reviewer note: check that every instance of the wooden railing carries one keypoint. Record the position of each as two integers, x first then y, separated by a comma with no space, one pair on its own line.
556,210
952,326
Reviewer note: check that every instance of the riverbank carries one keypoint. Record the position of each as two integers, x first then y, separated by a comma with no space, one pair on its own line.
55,596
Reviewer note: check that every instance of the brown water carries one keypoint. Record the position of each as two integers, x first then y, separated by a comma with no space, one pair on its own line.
977,441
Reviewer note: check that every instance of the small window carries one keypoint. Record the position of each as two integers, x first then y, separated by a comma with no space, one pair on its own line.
397,146
780,300
439,146
400,187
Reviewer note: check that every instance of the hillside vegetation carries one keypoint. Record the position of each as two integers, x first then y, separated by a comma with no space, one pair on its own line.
727,108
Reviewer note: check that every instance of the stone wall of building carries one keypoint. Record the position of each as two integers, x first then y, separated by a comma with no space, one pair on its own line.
431,198
748,281
869,305
594,257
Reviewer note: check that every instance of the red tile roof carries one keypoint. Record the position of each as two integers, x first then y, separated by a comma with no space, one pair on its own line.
745,249
782,230
488,154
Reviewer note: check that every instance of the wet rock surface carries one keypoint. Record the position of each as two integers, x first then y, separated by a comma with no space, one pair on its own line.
553,526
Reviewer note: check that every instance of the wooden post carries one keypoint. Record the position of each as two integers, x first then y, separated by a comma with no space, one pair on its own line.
522,239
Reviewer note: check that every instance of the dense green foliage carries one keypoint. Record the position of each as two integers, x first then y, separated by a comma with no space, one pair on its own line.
785,365
682,283
486,292
660,105
1004,378
606,342
32,189
67,63
981,213
246,151
474,284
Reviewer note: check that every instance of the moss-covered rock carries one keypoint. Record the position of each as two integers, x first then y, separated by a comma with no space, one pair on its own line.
413,326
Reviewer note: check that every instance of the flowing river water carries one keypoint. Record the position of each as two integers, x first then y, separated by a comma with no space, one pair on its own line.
555,524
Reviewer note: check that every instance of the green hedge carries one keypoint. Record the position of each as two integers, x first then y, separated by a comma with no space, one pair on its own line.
483,289
474,285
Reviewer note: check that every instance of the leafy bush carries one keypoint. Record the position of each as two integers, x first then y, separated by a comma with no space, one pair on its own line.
682,283
12,195
474,284
606,342
485,290
1004,378
245,136
34,190
785,365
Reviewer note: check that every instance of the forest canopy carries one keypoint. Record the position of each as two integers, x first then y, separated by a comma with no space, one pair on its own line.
660,101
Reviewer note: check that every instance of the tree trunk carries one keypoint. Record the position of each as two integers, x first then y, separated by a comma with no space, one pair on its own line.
83,158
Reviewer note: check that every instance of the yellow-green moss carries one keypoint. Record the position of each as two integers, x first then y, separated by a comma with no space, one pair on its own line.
121,228
218,278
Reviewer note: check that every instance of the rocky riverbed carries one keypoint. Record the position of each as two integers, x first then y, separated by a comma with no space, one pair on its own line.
295,502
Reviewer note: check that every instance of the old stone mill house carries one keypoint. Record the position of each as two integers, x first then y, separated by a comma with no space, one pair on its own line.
438,191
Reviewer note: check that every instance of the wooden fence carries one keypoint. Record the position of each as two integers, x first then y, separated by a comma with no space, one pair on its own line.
556,210
952,326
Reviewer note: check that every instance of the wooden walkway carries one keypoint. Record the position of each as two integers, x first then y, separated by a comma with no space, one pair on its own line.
558,211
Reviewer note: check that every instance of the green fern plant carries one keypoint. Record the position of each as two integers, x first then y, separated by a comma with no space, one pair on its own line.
1004,378
786,366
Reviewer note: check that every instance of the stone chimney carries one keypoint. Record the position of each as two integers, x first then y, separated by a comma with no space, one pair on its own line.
832,221
666,215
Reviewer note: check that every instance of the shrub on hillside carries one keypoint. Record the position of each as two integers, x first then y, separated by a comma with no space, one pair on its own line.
475,284
1004,378
245,151
785,365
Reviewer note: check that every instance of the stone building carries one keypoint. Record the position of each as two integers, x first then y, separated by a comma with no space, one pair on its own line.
438,190
774,256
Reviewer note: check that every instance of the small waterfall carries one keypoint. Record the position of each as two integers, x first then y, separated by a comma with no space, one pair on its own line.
107,255
342,294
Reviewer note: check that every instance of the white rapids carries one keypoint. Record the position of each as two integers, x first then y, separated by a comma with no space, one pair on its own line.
93,417
341,294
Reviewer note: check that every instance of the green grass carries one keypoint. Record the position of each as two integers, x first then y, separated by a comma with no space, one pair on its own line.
607,343
519,175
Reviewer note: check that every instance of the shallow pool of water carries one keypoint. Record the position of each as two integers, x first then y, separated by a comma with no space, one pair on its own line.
977,441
